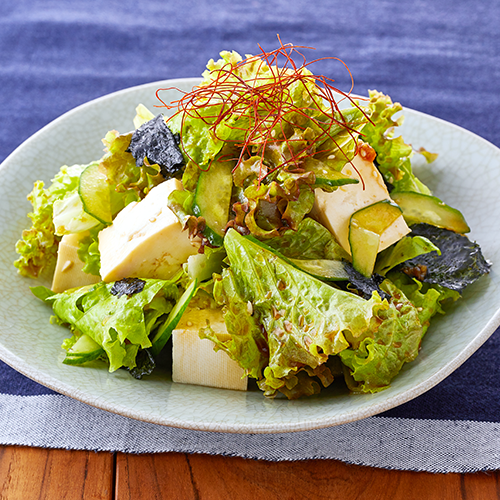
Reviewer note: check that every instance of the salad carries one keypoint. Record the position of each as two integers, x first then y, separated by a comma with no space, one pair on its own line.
267,215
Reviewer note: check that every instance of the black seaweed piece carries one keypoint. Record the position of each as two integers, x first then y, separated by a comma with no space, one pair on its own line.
127,286
461,261
145,364
365,285
156,142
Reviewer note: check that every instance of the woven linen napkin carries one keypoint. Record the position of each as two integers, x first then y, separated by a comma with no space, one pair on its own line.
437,57
446,429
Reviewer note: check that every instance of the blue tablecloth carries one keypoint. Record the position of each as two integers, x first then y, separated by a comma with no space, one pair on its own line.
441,58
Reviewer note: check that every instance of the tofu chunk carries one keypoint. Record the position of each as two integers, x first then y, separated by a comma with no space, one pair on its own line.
68,273
194,359
146,239
334,210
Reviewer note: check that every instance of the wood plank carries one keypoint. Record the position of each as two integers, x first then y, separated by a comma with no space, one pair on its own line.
29,473
182,476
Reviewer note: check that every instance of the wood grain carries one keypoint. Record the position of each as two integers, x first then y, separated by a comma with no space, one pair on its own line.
33,473
200,477
36,473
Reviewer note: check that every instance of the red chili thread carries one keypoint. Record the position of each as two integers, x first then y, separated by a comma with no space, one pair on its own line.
264,103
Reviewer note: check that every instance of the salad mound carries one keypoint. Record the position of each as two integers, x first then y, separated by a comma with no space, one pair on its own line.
268,215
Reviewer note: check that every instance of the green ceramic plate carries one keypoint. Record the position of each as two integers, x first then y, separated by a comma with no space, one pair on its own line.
466,175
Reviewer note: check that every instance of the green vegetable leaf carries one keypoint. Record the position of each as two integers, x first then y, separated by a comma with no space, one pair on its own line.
37,248
427,298
247,344
377,358
405,249
305,320
88,251
393,154
121,325
311,240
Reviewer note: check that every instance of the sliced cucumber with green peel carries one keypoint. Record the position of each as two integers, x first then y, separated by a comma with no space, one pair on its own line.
94,193
419,208
324,269
212,199
365,228
334,179
327,177
85,349
202,266
165,331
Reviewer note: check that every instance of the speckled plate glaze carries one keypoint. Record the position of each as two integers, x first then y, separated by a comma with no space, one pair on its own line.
466,175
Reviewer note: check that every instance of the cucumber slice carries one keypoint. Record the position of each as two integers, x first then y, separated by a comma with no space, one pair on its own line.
419,207
212,199
202,266
165,330
324,269
333,179
365,228
327,177
94,193
84,350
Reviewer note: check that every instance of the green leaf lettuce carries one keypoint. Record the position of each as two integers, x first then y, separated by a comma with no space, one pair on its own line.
121,325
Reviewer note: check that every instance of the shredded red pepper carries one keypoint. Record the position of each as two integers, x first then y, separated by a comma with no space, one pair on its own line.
265,103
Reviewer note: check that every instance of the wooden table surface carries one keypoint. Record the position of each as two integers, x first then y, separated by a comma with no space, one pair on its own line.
34,473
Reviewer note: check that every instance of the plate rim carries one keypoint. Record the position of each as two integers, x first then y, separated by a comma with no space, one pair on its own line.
73,392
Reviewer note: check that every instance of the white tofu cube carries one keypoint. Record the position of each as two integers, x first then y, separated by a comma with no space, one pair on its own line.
334,210
68,273
194,359
146,239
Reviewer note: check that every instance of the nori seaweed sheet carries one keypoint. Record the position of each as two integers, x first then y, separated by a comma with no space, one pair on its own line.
461,261
156,142
145,364
127,286
365,285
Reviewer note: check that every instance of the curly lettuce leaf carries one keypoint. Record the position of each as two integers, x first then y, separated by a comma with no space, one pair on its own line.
88,251
120,324
38,245
393,154
311,241
247,344
377,358
429,299
304,319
